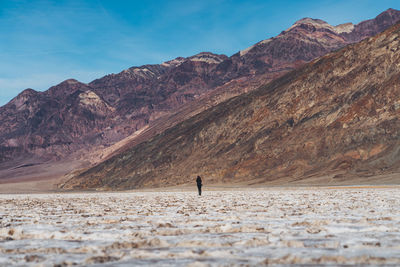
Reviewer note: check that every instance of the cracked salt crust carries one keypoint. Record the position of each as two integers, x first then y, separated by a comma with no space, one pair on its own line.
272,226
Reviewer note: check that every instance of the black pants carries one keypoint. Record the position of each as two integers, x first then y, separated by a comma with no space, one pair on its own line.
199,188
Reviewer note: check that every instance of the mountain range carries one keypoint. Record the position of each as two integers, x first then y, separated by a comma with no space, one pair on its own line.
263,113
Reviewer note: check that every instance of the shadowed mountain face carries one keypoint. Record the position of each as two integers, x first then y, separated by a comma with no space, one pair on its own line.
75,117
338,115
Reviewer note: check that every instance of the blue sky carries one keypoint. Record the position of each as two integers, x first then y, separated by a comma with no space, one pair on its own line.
44,42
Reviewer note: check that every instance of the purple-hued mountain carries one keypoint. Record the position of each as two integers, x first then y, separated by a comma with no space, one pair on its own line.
72,118
335,120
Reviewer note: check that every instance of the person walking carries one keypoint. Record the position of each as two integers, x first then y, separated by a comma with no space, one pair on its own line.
199,184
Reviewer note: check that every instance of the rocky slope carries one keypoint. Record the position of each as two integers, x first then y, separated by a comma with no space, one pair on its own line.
54,122
338,116
73,118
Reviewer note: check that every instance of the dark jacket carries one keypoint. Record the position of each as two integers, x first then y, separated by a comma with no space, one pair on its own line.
198,181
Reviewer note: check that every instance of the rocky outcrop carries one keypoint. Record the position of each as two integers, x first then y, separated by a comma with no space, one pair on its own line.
337,116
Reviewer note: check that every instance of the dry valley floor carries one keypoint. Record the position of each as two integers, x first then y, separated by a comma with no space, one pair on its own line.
349,225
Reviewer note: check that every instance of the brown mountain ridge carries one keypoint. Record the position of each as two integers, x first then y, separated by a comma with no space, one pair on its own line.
338,117
74,121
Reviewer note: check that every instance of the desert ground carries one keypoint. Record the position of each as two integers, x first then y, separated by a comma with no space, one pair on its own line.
309,225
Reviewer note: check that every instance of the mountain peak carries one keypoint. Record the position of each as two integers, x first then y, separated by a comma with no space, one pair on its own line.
391,10
70,82
389,13
208,57
174,62
28,91
21,98
66,87
345,27
311,24
26,94
308,27
308,20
